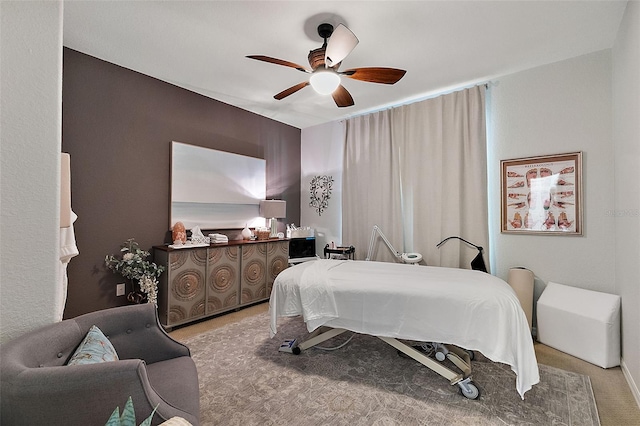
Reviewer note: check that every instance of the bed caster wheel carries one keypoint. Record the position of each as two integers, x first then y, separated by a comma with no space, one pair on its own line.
296,351
469,390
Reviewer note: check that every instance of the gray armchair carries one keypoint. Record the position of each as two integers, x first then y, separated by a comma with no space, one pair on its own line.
37,388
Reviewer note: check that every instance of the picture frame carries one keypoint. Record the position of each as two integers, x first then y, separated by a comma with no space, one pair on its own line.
542,195
215,189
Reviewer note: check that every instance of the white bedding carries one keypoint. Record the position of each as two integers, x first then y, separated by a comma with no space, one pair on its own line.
470,309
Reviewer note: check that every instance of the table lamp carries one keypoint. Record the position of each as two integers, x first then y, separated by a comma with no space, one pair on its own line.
273,210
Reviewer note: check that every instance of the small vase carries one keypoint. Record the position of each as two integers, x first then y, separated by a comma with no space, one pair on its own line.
246,233
135,295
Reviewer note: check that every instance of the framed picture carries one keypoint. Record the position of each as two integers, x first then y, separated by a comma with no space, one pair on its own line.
215,189
542,195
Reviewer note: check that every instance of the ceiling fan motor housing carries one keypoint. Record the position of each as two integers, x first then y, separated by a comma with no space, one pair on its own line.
316,58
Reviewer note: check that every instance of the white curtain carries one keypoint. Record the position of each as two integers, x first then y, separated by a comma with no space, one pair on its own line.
371,184
419,172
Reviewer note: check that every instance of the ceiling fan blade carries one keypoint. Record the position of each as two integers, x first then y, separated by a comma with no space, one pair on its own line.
291,90
342,97
340,44
279,62
375,74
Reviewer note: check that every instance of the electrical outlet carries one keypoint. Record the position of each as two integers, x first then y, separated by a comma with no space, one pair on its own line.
120,289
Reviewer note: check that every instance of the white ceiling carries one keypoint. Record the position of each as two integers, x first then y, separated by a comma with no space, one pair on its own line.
443,45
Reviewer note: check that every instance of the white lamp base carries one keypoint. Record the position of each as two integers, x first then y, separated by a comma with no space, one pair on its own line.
274,228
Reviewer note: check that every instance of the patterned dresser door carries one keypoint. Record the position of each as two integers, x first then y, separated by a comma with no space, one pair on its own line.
277,261
223,282
186,285
254,273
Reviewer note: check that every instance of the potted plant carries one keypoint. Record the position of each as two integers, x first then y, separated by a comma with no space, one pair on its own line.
133,265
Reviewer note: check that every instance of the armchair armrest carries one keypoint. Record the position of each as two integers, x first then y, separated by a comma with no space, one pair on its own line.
82,394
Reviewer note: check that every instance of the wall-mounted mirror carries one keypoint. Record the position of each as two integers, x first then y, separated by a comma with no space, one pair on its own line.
214,189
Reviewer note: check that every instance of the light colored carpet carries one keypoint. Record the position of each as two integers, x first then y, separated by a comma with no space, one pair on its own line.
245,380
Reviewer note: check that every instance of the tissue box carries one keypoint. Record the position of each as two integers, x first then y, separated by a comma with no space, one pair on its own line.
197,237
582,323
200,240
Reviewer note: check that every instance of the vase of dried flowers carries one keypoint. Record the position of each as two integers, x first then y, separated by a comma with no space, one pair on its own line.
142,273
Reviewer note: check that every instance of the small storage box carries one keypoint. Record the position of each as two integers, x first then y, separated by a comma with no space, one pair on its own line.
582,323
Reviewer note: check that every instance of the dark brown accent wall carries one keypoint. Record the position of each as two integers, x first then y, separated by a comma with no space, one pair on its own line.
118,125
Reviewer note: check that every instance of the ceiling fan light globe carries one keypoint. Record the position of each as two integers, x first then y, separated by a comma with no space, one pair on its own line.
325,82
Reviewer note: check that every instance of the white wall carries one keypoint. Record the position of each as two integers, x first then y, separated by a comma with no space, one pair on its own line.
626,137
31,123
552,109
321,153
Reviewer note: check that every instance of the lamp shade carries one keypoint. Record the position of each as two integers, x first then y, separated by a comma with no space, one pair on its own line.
273,209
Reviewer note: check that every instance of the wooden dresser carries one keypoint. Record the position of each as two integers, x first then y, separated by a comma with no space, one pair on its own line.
199,282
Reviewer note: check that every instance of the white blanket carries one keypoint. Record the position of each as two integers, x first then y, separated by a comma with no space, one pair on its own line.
470,309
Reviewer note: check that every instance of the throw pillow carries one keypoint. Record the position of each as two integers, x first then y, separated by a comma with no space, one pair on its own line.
94,348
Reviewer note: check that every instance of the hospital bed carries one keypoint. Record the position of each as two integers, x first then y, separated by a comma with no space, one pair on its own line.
458,308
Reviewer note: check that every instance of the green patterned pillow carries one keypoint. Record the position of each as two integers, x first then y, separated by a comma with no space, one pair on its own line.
94,348
128,417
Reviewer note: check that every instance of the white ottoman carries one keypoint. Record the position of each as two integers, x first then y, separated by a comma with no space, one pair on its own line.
582,323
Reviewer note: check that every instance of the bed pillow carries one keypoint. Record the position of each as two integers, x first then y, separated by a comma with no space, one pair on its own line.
94,348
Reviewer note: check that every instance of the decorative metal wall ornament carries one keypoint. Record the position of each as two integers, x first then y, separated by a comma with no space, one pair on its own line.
320,189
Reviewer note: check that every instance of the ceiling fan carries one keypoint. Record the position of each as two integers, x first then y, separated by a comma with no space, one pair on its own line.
325,61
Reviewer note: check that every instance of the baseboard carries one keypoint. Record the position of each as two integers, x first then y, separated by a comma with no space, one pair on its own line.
630,381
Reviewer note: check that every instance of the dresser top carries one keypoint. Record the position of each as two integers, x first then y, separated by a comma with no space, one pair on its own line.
166,247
